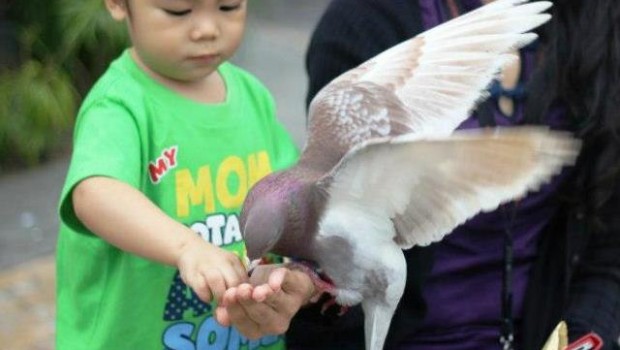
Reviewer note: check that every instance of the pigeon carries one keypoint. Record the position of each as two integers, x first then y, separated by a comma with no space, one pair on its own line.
383,168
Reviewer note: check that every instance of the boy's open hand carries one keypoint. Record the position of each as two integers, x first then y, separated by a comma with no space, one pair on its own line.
209,270
267,305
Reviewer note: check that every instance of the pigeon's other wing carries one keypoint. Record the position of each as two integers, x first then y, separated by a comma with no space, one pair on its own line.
442,73
350,114
430,186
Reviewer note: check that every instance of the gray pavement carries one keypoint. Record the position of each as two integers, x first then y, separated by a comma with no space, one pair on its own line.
274,47
28,220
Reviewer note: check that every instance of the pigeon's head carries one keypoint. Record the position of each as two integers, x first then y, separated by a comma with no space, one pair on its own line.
263,216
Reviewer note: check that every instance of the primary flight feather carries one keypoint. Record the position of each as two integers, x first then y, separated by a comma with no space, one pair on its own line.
383,169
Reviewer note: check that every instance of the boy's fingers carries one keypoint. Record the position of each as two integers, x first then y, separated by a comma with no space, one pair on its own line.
261,292
229,297
231,277
244,292
200,287
239,267
277,278
216,283
222,317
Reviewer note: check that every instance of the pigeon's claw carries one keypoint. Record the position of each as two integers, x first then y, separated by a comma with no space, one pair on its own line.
327,304
331,302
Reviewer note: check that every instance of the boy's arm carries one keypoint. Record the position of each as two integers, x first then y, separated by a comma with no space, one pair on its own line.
126,218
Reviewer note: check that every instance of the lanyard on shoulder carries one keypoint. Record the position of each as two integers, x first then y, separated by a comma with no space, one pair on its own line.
507,331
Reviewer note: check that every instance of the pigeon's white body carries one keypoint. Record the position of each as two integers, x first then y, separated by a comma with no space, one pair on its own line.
378,262
383,169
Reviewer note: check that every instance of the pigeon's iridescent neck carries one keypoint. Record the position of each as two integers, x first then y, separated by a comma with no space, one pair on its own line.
295,189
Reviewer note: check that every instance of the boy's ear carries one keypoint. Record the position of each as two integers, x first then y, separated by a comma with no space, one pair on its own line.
117,8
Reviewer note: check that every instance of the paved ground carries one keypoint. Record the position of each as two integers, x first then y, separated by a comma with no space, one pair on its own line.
275,44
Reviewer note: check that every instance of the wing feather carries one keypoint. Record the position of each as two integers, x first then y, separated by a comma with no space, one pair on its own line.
428,186
440,75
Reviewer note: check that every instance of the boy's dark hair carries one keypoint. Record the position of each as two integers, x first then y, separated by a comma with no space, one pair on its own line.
580,68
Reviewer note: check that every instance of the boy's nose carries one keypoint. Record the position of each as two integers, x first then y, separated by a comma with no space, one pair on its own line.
204,29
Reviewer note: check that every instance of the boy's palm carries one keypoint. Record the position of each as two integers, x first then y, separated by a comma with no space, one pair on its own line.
267,303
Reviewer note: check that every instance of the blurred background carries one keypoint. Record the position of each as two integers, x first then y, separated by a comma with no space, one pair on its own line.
50,53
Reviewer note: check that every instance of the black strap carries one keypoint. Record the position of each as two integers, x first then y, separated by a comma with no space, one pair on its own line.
507,331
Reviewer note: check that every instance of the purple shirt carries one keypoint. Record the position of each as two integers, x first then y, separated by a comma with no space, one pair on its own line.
463,291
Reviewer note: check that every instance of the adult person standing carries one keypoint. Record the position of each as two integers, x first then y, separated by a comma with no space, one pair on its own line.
561,244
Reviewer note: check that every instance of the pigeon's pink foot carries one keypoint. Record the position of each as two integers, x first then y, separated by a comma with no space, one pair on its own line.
327,304
331,302
343,310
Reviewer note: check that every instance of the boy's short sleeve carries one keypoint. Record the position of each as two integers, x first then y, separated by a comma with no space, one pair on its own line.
106,143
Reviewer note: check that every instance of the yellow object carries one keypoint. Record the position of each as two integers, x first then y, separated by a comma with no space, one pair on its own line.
558,340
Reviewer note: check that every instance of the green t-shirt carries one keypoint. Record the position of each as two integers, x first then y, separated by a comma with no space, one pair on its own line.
196,162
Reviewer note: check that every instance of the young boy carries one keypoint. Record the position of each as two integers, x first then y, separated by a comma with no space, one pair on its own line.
166,146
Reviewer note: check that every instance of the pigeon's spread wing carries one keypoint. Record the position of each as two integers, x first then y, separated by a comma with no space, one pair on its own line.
442,73
351,114
430,186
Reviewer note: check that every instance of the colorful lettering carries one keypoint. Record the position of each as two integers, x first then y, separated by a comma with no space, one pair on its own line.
211,335
232,166
194,193
233,179
179,337
160,167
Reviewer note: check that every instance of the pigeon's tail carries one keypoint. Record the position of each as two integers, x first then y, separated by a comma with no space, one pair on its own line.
377,318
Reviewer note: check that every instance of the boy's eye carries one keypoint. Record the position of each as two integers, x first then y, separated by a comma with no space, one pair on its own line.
231,7
177,13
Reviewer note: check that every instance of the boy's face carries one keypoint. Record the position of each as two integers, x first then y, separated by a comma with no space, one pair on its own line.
182,40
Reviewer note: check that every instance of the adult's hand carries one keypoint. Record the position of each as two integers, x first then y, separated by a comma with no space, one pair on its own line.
266,305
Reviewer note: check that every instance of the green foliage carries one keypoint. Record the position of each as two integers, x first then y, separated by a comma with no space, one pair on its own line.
37,105
37,26
91,39
64,46
87,25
